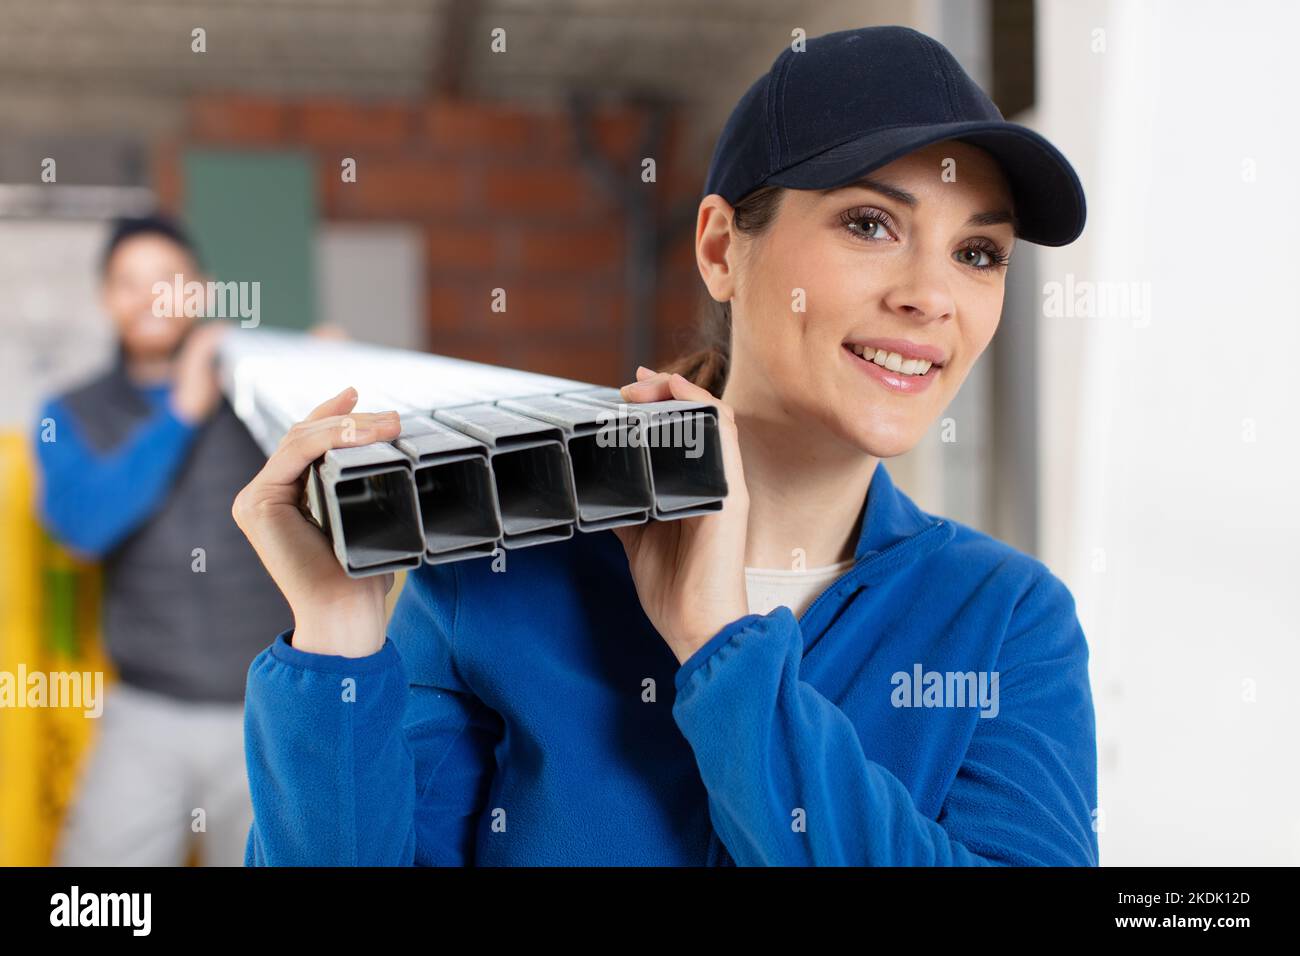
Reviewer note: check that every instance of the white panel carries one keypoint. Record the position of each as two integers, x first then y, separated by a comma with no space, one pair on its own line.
1172,466
371,282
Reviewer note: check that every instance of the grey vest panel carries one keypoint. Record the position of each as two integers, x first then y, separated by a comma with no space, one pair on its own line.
168,628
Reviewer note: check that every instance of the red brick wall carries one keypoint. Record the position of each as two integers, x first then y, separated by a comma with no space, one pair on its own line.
503,201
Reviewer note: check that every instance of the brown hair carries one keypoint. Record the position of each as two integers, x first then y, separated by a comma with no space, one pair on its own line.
709,364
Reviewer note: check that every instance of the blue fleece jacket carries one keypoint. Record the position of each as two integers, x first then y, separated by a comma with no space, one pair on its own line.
534,716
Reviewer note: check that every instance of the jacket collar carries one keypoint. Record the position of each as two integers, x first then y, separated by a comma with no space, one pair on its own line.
892,519
895,533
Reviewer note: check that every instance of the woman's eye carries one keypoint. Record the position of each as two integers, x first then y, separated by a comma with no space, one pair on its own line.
980,258
870,228
871,225
867,227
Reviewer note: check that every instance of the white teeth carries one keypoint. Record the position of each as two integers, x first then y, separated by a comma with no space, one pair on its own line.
893,361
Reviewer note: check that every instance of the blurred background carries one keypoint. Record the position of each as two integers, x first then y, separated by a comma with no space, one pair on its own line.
1124,426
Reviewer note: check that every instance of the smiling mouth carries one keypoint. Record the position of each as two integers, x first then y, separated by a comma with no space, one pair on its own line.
894,362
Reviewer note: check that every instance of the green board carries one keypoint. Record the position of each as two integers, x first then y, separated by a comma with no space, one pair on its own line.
253,217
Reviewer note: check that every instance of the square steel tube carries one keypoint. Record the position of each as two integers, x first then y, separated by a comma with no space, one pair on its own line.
459,514
611,474
365,498
534,481
684,484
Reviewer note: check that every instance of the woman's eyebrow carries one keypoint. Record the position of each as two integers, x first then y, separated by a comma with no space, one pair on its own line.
994,217
885,189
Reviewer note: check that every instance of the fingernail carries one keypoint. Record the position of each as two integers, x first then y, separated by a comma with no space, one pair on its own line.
347,391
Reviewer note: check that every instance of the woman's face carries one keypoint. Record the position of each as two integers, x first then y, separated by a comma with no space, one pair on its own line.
865,307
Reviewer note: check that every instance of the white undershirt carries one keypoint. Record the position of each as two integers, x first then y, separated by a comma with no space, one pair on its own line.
768,589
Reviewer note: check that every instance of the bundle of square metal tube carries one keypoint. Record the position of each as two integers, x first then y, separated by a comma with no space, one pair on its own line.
487,457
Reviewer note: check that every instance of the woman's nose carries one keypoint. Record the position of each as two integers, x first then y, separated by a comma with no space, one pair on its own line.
921,292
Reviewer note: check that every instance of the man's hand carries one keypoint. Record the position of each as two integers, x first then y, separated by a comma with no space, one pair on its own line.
196,391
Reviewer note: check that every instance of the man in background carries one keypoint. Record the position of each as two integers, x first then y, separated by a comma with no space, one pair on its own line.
140,473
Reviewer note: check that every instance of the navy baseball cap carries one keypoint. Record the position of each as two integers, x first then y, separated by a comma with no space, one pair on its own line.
853,101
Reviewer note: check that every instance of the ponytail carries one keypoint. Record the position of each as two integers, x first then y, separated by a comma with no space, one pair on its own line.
707,367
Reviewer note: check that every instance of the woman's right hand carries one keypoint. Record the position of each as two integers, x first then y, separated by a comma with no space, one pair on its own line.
333,613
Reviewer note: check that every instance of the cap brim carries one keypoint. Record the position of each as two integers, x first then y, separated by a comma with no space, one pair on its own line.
1049,199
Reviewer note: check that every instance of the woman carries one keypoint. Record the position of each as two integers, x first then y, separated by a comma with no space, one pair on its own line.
674,693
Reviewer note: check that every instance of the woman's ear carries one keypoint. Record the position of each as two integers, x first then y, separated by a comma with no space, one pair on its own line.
713,247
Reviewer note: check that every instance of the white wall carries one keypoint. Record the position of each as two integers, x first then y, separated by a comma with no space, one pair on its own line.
1171,463
52,333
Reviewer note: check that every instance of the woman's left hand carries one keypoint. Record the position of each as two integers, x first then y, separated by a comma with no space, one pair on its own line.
690,573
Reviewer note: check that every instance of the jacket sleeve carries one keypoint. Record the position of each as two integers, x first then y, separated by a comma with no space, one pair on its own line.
91,502
380,760
767,743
